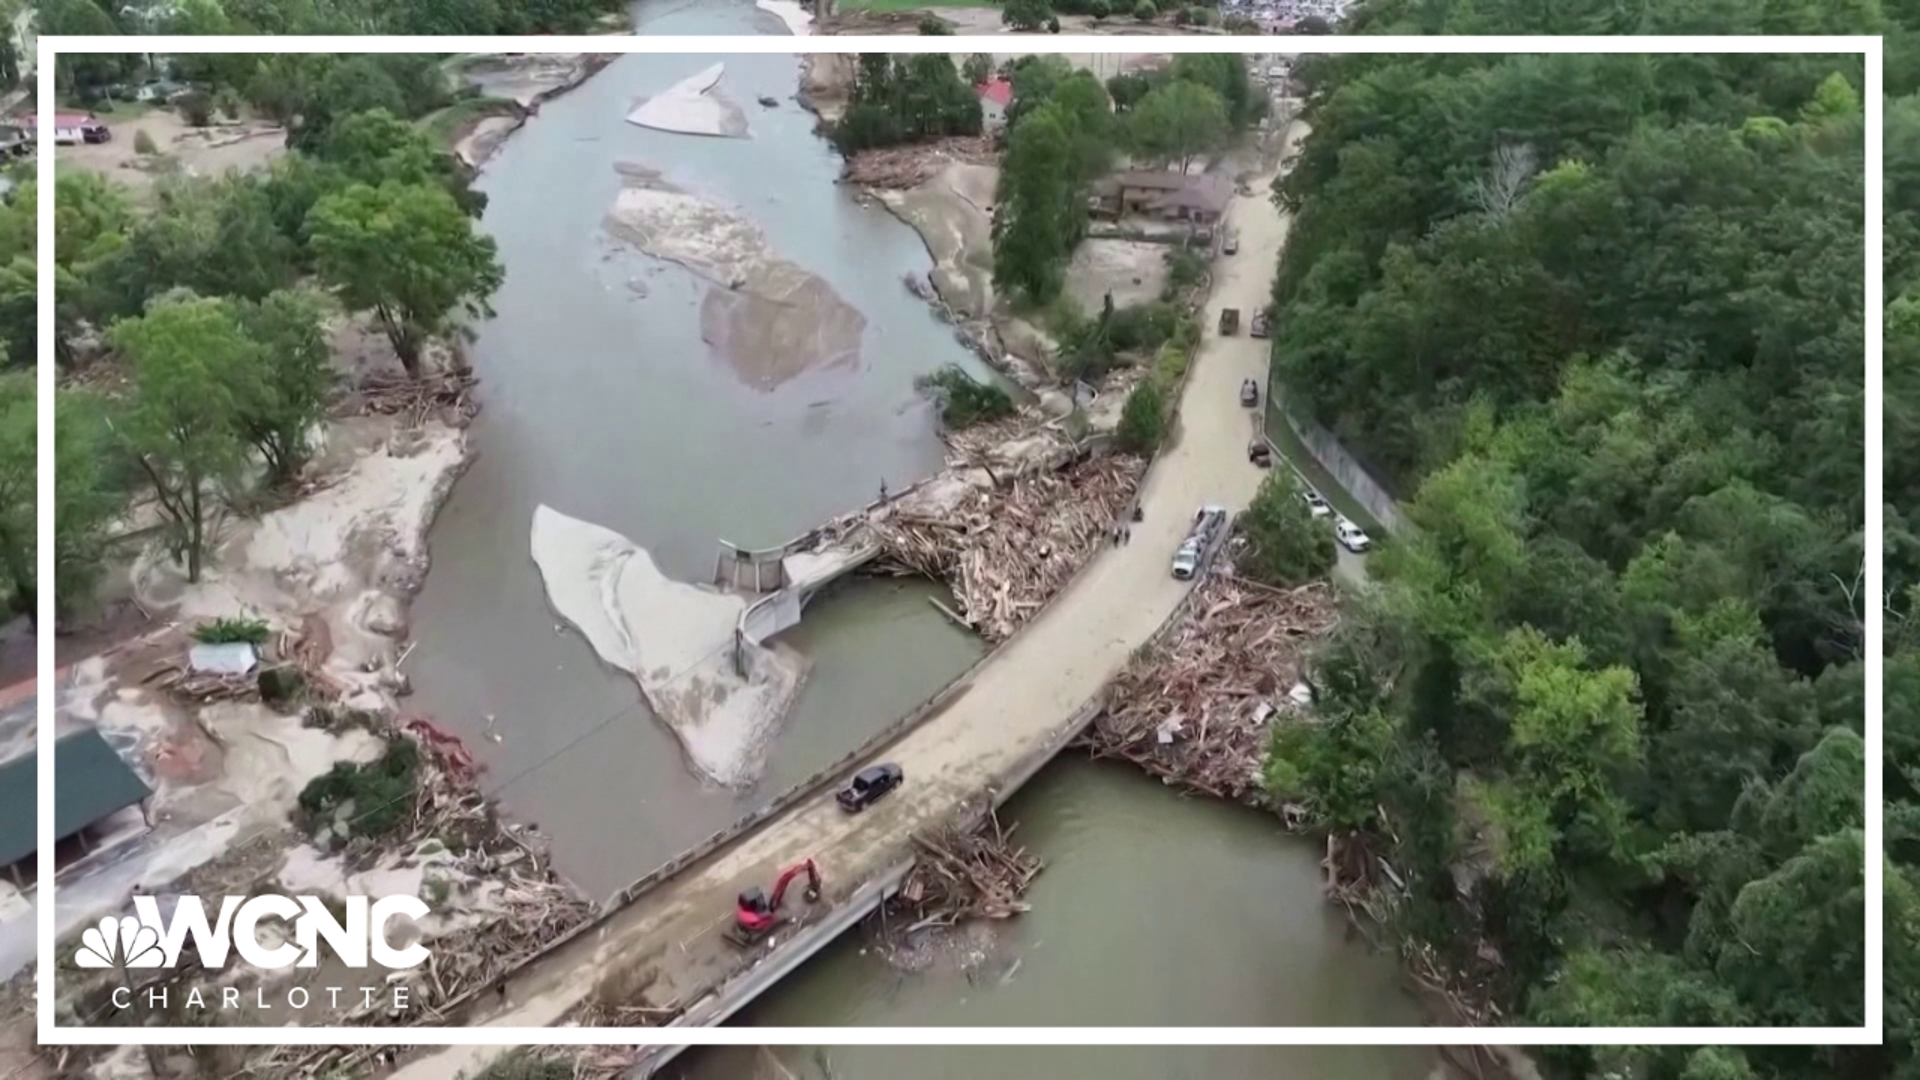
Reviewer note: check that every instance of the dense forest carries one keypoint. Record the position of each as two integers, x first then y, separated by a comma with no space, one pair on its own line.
1598,320
194,322
283,17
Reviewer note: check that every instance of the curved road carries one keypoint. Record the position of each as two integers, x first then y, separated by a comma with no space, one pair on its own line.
668,939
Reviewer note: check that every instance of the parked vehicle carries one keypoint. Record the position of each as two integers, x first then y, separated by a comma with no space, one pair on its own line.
1231,245
1259,327
1260,453
1229,321
1351,536
1186,560
1249,393
1316,503
869,785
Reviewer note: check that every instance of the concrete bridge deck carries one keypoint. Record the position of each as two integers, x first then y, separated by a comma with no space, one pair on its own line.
987,733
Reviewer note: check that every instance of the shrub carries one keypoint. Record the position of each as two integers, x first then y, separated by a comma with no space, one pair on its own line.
1185,269
380,793
963,400
1099,9
231,631
1143,420
197,108
933,27
143,143
1285,545
1145,10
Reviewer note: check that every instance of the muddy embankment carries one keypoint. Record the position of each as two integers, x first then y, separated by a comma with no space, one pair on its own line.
944,191
230,752
517,86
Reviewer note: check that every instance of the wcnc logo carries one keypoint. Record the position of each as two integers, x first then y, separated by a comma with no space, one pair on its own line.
147,940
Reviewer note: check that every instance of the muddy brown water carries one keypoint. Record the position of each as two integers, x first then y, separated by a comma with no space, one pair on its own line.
602,400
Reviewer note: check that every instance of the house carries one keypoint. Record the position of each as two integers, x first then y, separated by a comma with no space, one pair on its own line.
1170,195
93,784
995,95
71,129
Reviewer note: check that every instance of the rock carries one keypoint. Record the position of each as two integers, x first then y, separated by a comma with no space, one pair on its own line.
385,616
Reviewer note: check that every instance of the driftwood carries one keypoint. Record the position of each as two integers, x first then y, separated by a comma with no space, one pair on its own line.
1197,710
445,393
907,166
966,874
1005,551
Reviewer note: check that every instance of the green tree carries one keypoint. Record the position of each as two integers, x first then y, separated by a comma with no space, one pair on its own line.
408,254
187,355
1285,545
1040,211
1176,123
1026,15
977,69
85,497
282,397
19,459
1143,419
963,400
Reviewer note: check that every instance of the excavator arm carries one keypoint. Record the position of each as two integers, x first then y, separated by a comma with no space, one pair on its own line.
786,879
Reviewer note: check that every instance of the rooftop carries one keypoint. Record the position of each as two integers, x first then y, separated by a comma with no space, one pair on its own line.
91,783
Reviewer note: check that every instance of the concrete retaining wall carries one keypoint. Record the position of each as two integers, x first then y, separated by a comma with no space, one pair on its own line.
1359,483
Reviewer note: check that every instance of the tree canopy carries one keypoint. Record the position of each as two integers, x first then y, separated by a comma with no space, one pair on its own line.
1600,320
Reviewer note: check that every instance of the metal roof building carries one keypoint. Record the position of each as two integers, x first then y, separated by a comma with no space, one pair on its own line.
92,783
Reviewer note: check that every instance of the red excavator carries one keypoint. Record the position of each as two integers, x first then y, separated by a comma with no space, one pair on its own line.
755,914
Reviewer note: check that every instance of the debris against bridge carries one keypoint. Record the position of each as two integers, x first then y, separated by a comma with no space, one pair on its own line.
1196,710
1007,549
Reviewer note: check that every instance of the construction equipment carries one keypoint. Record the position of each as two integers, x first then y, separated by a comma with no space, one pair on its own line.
755,914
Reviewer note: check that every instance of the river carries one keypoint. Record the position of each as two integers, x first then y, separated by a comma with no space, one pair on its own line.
602,401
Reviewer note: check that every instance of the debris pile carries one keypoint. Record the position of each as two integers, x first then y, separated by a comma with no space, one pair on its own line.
1006,550
900,167
501,901
966,874
444,394
1195,711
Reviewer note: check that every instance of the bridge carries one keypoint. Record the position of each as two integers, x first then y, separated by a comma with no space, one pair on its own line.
659,942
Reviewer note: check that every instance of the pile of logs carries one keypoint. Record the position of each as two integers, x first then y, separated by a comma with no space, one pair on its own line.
1007,550
898,167
966,874
1190,710
445,394
522,906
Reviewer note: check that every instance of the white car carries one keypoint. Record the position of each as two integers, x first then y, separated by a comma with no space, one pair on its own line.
1316,503
1186,560
1351,536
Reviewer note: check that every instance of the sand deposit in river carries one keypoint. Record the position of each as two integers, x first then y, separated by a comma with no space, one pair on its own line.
675,639
693,106
770,318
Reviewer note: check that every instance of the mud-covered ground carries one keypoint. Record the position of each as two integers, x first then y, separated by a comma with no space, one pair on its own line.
178,148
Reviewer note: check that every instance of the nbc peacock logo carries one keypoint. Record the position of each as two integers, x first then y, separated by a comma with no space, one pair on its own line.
120,942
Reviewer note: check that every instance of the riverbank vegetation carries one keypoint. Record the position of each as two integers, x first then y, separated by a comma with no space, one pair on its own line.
1601,319
193,332
97,75
901,99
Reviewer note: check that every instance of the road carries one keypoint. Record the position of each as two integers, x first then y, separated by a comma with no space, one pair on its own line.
669,937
